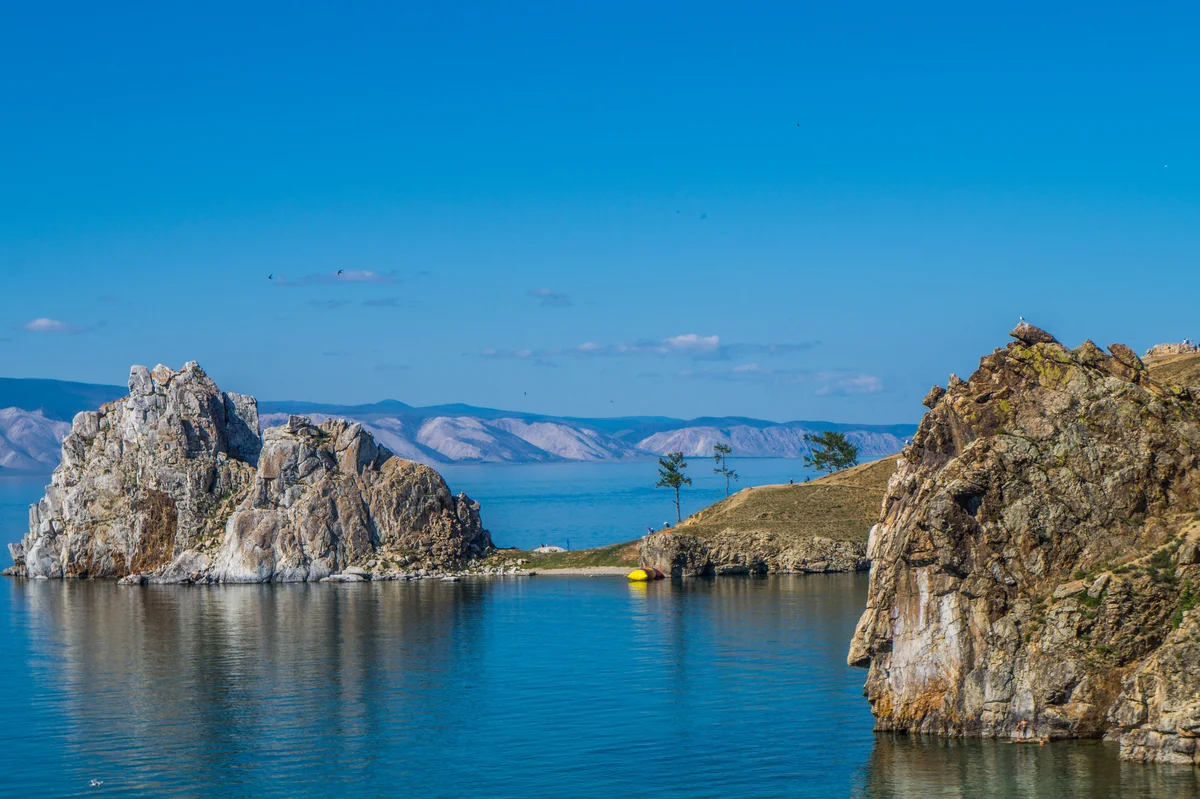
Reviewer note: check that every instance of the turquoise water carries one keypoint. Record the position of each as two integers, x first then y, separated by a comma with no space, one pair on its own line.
17,493
522,687
592,504
525,687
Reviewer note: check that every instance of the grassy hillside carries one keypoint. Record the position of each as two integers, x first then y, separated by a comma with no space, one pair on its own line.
623,554
1179,370
842,506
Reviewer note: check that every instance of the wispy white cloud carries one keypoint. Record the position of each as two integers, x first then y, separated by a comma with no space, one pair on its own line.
329,305
687,345
824,383
44,325
852,384
330,278
550,298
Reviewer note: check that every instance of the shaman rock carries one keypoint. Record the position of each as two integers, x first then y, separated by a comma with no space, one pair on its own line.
174,483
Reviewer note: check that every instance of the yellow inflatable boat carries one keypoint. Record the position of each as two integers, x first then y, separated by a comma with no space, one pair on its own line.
644,575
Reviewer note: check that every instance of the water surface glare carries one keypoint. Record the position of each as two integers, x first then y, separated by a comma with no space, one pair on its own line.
543,686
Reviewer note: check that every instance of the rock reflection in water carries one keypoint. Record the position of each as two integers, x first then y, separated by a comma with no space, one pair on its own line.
903,766
533,687
212,681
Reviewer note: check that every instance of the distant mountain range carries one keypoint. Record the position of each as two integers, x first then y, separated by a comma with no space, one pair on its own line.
35,416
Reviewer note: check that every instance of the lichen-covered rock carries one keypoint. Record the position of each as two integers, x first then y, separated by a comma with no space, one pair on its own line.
174,484
1158,712
1030,546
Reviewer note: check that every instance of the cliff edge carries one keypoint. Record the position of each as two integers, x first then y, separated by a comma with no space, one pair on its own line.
1036,557
173,483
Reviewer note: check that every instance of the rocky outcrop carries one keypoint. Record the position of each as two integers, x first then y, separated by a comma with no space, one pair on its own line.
174,484
1185,347
1034,555
748,552
327,498
818,526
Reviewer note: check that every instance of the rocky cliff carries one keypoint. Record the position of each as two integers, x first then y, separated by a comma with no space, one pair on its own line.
1037,555
174,482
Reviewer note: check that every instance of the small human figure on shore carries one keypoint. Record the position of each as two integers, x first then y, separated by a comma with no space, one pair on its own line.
791,482
666,525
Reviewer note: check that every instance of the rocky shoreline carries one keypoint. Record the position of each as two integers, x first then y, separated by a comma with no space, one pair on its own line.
749,552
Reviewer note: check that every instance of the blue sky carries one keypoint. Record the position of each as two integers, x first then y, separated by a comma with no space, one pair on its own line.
766,209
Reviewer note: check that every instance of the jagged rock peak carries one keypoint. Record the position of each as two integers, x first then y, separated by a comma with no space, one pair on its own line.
1029,334
175,483
1033,548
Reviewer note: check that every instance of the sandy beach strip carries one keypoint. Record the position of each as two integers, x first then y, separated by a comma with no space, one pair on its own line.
587,571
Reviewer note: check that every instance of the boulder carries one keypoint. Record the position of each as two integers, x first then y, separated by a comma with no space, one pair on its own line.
1028,334
1127,356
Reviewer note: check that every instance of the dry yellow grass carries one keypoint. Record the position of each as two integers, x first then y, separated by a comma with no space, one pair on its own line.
1179,370
842,506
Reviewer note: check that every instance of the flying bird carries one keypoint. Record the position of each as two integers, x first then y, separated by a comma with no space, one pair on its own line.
96,783
339,271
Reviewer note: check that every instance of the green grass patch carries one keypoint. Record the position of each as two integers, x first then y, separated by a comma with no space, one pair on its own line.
1189,599
1161,559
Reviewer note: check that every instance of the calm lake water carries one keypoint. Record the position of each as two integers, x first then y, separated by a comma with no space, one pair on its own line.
592,504
521,687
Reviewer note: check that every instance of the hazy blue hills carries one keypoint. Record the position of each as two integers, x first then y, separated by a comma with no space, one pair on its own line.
33,414
56,399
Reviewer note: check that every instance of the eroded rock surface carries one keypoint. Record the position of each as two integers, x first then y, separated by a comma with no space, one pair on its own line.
1035,548
748,552
174,484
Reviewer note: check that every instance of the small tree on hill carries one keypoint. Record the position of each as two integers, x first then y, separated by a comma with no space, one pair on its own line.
831,452
670,475
720,452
